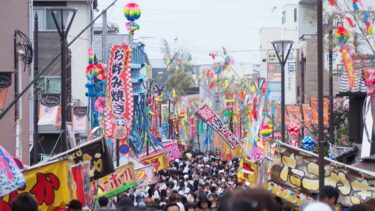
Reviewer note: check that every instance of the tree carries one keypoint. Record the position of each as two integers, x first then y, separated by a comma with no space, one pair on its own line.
179,69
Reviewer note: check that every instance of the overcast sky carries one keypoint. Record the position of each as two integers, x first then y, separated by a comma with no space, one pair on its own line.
202,26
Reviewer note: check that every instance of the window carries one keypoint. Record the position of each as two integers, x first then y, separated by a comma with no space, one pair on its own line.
295,15
52,84
45,19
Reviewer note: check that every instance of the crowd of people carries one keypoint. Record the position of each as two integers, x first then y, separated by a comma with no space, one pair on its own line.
197,182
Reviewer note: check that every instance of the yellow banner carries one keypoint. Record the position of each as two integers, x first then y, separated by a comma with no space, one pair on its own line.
247,172
160,162
49,185
118,182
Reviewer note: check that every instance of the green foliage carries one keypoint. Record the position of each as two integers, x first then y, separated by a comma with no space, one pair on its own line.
179,69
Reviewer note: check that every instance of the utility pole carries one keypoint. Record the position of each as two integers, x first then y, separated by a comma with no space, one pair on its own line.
320,91
104,37
36,106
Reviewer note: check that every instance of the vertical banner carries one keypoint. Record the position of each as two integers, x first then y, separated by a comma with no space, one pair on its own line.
307,115
49,184
118,182
5,82
79,119
208,116
81,177
49,109
11,177
119,93
314,110
145,176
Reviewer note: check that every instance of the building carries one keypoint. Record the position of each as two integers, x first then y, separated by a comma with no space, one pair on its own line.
15,15
269,66
49,47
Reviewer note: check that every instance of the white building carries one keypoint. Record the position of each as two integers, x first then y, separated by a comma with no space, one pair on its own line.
270,67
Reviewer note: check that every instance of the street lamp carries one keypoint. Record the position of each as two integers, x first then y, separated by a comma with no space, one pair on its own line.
282,49
63,18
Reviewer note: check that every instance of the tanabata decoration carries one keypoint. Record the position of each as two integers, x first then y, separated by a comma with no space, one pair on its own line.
308,143
350,21
370,81
332,3
342,34
367,22
266,130
132,12
347,60
355,5
11,177
293,131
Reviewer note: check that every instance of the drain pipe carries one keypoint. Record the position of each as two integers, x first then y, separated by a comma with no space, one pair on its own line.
20,55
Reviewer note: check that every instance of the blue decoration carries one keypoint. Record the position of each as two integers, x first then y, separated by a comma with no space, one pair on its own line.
308,143
124,149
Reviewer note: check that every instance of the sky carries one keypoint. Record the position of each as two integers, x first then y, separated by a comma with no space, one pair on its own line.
202,26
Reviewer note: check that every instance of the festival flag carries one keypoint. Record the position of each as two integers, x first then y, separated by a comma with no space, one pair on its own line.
50,185
119,94
118,182
172,152
159,161
5,82
314,110
79,119
226,152
11,177
49,109
145,176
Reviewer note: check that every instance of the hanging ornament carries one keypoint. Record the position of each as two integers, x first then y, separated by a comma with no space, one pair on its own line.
132,11
347,60
342,34
308,143
350,21
267,130
332,3
293,130
355,5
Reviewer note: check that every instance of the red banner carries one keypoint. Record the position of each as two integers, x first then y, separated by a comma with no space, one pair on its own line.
119,93
207,115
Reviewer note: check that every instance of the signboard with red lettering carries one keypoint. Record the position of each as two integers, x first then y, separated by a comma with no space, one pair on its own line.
119,98
118,182
298,170
49,184
207,115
